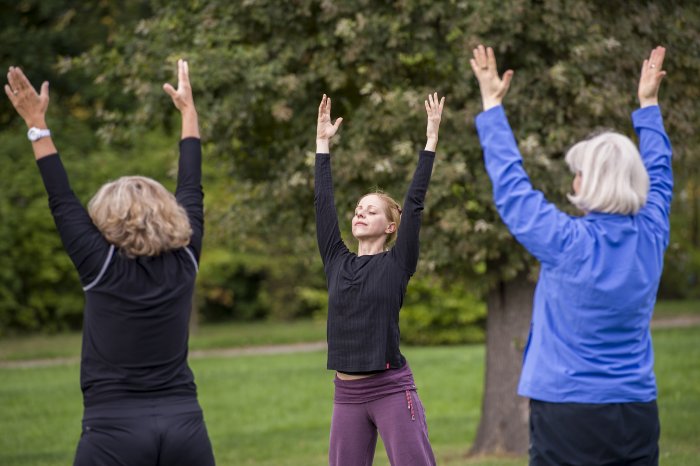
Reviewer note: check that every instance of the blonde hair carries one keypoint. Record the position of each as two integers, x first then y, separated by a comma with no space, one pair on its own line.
392,211
613,177
139,216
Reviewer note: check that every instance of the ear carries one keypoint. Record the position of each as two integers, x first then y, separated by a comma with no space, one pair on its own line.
390,228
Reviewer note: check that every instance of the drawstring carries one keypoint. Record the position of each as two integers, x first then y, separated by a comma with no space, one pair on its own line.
409,400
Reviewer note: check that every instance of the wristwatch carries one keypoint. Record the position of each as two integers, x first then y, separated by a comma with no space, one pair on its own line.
34,133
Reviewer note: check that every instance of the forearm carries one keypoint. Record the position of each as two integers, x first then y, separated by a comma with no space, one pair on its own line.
190,124
407,245
431,144
327,228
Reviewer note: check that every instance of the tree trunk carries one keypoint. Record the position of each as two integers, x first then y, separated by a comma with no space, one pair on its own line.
503,428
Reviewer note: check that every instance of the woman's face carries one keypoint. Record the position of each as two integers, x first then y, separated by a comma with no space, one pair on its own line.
369,220
576,184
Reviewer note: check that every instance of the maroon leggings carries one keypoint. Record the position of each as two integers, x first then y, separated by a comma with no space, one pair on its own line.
386,403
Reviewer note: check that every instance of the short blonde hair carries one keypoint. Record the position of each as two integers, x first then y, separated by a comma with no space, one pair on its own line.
613,177
392,211
139,216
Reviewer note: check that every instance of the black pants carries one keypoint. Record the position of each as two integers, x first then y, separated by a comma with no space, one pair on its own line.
580,434
153,433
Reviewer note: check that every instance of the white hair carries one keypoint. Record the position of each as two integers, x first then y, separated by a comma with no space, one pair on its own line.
613,177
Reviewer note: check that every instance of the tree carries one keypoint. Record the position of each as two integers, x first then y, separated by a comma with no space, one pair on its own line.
260,67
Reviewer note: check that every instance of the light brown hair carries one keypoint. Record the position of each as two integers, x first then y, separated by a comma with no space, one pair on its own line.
139,216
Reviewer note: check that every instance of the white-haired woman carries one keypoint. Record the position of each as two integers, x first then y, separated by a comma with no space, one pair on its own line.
136,250
374,387
589,366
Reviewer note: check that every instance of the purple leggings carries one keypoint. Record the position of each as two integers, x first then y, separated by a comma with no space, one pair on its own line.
387,403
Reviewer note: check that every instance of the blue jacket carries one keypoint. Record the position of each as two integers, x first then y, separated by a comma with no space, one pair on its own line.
589,338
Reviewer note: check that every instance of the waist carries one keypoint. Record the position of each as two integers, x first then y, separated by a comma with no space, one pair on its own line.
373,387
135,407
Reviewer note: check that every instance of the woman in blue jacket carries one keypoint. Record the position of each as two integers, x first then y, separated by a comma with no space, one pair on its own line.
589,364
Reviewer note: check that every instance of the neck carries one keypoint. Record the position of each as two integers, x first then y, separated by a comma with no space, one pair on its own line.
370,247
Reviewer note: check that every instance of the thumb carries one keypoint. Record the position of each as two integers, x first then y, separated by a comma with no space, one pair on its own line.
507,76
170,90
337,123
44,93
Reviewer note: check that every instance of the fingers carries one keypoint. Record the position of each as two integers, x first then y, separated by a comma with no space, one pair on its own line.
656,58
322,105
183,73
337,123
10,94
480,57
490,59
475,67
434,106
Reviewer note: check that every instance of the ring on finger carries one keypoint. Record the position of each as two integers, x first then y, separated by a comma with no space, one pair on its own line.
651,65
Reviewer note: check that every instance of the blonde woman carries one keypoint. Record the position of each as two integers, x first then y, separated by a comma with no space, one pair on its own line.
374,387
136,250
588,367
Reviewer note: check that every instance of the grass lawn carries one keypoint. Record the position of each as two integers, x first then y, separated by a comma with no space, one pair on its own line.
275,409
209,336
235,334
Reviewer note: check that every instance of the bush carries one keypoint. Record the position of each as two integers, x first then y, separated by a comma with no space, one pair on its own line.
439,314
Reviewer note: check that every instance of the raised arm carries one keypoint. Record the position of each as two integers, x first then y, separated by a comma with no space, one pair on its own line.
189,176
330,243
407,246
83,242
536,224
654,144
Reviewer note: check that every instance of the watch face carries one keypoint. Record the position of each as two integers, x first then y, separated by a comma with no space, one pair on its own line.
34,134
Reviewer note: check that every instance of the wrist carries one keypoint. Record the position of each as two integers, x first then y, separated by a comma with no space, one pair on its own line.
648,102
322,146
489,103
36,122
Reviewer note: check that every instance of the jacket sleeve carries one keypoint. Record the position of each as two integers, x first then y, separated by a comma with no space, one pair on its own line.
189,193
537,224
406,249
656,151
330,243
81,239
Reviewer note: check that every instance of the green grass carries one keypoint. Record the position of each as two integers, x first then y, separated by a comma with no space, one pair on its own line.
234,334
673,308
208,336
275,409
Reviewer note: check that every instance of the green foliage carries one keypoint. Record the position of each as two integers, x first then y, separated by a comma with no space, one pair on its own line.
235,286
436,314
259,69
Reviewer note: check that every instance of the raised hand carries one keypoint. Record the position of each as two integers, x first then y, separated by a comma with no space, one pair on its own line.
433,108
24,98
182,96
493,88
651,76
325,130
